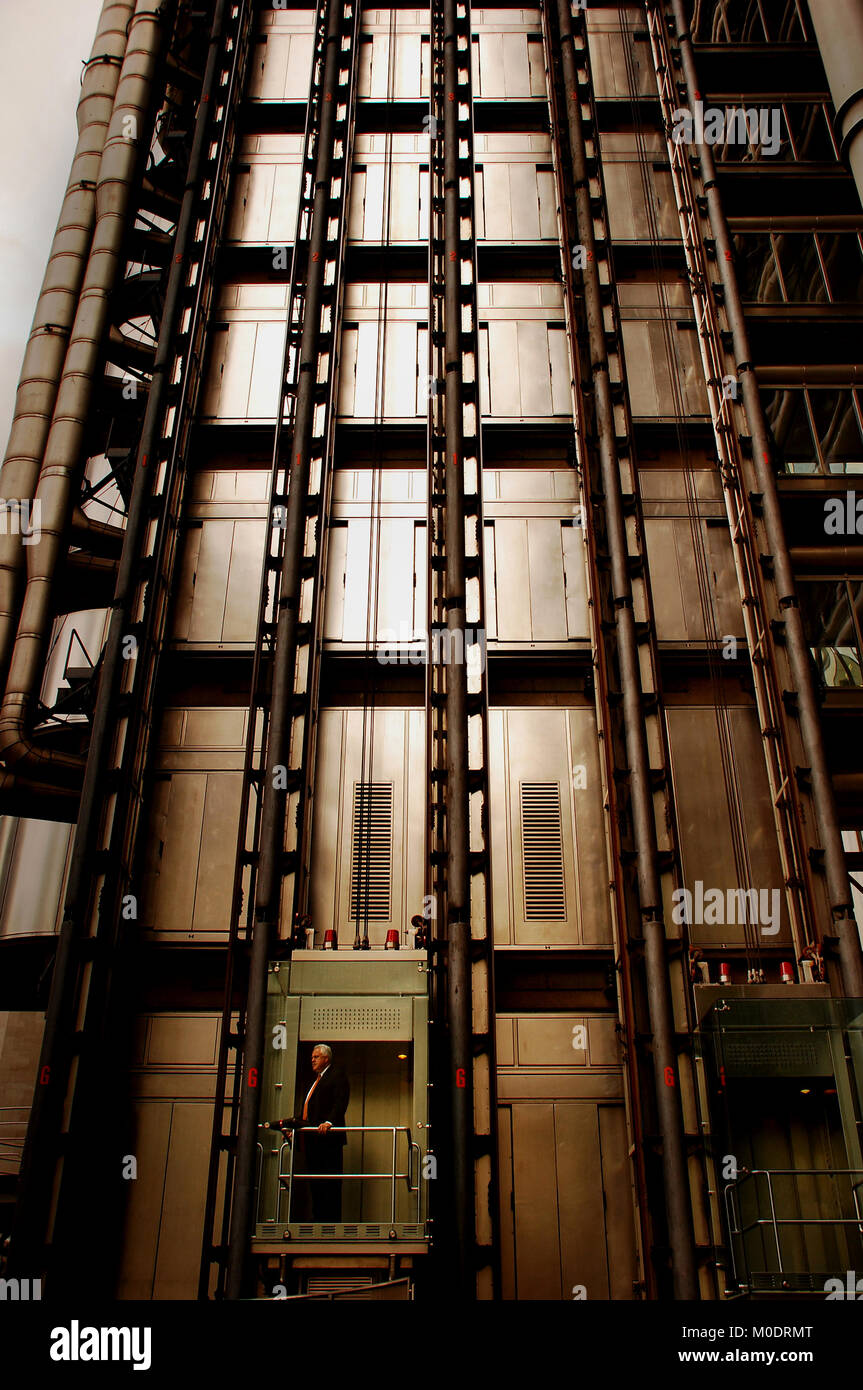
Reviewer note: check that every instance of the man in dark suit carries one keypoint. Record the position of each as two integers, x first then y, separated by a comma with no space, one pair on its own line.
324,1107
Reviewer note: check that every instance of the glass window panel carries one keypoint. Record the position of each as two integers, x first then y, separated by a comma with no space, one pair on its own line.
801,268
838,430
787,419
844,261
830,629
756,268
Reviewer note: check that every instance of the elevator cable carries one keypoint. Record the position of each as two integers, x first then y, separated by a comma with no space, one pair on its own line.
702,566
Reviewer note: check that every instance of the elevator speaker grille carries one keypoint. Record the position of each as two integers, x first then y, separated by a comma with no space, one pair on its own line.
334,1019
542,852
372,852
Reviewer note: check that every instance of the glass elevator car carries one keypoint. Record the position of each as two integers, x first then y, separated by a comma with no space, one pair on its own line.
372,1009
788,1154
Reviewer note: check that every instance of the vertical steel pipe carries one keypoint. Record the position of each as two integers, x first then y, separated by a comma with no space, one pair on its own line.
674,1161
120,159
458,932
839,30
797,646
58,301
268,883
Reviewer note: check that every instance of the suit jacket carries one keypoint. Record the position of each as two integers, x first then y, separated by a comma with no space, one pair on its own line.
329,1101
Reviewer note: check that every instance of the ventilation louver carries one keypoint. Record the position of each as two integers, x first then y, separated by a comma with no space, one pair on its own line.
542,852
372,852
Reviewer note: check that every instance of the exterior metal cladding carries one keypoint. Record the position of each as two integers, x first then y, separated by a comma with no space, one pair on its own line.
431,632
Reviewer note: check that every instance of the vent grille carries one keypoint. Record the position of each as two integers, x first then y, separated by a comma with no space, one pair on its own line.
542,852
372,852
361,1018
337,1283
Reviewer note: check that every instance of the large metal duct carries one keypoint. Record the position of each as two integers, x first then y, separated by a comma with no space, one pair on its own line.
839,31
59,471
58,301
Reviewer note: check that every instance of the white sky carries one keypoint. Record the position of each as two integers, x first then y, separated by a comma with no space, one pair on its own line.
43,44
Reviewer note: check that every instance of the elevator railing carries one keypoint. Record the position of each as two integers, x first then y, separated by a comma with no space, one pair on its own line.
769,1198
285,1180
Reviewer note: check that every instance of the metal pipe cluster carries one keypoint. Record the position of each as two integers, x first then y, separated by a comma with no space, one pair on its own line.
49,476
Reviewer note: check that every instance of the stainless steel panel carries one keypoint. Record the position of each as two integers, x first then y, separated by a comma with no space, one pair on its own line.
649,371
549,1042
620,1245
479,202
484,370
265,370
674,579
373,209
557,746
581,1212
281,67
286,196
545,570
20,1048
547,193
516,70
401,364
491,72
259,203
497,202
370,341
535,1186
608,57
504,367
396,745
407,73
188,887
241,598
536,64
348,369
511,580
490,553
590,829
208,581
534,369
704,822
575,580
356,208
404,210
506,1202
35,857
183,1197
334,598
561,371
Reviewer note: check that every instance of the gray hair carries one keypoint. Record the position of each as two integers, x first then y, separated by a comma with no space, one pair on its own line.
324,1047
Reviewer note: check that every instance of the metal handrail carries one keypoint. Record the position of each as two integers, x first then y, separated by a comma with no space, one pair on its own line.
285,1180
737,1229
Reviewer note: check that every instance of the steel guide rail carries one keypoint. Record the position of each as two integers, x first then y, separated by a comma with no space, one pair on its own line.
760,639
600,661
458,827
291,777
617,551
